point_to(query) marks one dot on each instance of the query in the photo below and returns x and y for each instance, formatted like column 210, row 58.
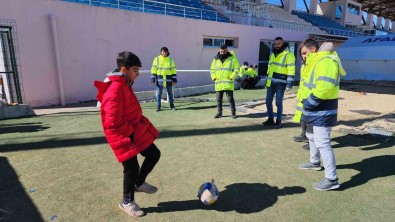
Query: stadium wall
column 90, row 38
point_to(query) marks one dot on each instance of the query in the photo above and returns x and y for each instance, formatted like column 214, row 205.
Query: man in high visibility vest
column 164, row 74
column 243, row 74
column 320, row 103
column 224, row 69
column 281, row 72
column 299, row 108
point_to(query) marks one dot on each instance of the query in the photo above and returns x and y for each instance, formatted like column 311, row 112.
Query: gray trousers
column 320, row 147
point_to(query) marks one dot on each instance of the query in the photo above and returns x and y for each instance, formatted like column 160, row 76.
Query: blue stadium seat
column 195, row 9
column 325, row 24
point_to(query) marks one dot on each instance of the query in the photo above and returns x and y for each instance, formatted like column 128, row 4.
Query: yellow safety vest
column 321, row 78
column 281, row 69
column 243, row 71
column 251, row 72
column 164, row 70
column 299, row 106
column 223, row 74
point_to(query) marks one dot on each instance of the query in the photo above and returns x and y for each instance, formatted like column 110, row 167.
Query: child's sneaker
column 132, row 209
column 146, row 188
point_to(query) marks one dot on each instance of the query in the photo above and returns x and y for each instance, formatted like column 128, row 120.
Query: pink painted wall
column 90, row 38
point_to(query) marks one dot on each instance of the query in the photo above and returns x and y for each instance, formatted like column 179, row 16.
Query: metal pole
column 7, row 69
column 14, row 68
column 57, row 58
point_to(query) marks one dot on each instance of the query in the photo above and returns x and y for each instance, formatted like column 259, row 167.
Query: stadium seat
column 195, row 9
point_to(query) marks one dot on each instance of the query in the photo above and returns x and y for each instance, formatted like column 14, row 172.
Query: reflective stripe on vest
column 276, row 80
column 320, row 113
column 336, row 81
column 224, row 81
column 282, row 64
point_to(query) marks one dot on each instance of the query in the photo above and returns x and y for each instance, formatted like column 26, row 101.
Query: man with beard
column 224, row 69
column 281, row 72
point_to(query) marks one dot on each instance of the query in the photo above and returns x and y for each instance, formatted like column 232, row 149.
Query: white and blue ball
column 208, row 193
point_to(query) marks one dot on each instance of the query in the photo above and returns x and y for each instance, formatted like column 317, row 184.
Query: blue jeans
column 159, row 89
column 279, row 91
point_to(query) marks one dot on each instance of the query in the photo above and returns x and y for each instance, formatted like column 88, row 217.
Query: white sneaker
column 146, row 188
column 132, row 209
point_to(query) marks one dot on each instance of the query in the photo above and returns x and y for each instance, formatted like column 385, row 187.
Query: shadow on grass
column 15, row 204
column 210, row 131
column 369, row 169
column 361, row 141
column 22, row 128
column 244, row 198
column 77, row 113
column 53, row 143
column 62, row 143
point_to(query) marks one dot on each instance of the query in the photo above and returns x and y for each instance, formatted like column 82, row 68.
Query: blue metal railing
column 165, row 8
column 157, row 7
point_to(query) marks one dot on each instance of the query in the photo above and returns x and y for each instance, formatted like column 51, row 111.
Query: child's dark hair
column 127, row 60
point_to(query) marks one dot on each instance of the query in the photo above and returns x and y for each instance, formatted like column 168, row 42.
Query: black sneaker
column 218, row 115
column 306, row 146
column 234, row 115
column 300, row 138
column 278, row 124
column 157, row 109
column 269, row 122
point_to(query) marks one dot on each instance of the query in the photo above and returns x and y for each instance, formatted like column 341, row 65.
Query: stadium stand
column 267, row 15
column 275, row 16
column 195, row 9
column 329, row 26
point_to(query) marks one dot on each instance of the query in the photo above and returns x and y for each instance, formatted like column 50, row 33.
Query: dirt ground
column 362, row 107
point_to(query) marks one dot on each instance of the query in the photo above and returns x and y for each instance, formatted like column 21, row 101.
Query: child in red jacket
column 128, row 132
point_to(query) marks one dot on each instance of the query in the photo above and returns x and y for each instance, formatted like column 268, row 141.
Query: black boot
column 278, row 124
column 269, row 122
column 157, row 108
column 218, row 115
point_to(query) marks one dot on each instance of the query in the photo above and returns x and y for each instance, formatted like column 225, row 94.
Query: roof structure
column 384, row 8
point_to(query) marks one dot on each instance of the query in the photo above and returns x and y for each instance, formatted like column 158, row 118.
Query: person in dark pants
column 298, row 112
column 224, row 70
column 127, row 131
column 281, row 72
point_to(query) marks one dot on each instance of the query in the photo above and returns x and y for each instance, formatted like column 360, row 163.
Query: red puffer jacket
column 122, row 118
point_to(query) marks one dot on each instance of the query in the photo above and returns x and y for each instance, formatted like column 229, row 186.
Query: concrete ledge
column 22, row 110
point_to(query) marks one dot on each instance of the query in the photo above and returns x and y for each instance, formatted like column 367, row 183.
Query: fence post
column 118, row 4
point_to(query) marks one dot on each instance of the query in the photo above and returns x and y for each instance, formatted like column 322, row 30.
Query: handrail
column 249, row 19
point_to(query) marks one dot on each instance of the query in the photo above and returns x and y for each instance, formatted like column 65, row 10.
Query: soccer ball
column 208, row 193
